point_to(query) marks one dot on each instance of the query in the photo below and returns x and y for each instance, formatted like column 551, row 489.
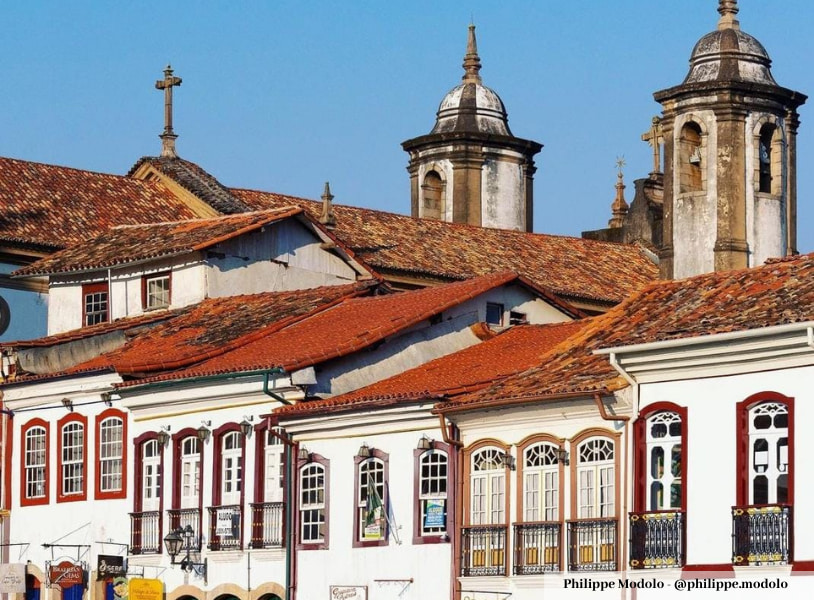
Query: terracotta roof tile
column 470, row 369
column 397, row 244
column 345, row 328
column 777, row 293
column 135, row 243
column 218, row 325
column 52, row 207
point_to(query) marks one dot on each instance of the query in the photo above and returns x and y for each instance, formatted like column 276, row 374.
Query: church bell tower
column 730, row 164
column 470, row 168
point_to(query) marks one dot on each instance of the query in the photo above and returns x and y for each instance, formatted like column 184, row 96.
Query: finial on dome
column 471, row 59
column 728, row 9
column 619, row 207
column 327, row 217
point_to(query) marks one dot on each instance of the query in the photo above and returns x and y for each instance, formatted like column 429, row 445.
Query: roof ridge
column 283, row 209
column 76, row 169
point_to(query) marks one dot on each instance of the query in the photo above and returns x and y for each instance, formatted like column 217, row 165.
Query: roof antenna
column 168, row 137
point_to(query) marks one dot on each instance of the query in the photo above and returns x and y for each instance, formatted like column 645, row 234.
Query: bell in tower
column 729, row 131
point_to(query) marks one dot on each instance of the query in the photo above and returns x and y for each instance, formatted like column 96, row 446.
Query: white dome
column 472, row 107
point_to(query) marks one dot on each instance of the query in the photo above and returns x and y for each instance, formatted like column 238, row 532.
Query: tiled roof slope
column 398, row 244
column 54, row 206
column 197, row 181
column 348, row 327
column 774, row 294
column 218, row 325
column 134, row 243
column 470, row 369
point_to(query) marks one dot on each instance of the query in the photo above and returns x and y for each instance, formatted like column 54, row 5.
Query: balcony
column 268, row 530
column 592, row 545
column 761, row 535
column 537, row 548
column 145, row 532
column 656, row 539
column 483, row 550
column 226, row 527
column 181, row 517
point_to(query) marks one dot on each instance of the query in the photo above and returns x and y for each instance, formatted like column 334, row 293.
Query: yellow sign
column 146, row 589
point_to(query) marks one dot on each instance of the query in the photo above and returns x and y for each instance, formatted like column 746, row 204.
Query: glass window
column 433, row 474
column 663, row 447
column 274, row 469
column 232, row 467
column 190, row 472
column 596, row 479
column 769, row 454
column 157, row 291
column 488, row 487
column 73, row 459
column 370, row 500
column 35, row 458
column 494, row 313
column 95, row 306
column 150, row 476
column 312, row 503
column 111, row 443
column 541, row 475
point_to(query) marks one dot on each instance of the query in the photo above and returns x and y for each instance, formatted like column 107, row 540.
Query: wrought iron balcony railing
column 762, row 535
column 483, row 550
column 537, row 548
column 656, row 539
column 226, row 527
column 268, row 526
column 145, row 532
column 592, row 545
column 181, row 517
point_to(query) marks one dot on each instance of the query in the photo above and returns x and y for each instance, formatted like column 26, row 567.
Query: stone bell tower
column 470, row 168
column 730, row 171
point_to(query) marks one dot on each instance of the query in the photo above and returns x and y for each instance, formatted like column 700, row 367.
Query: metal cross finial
column 620, row 162
column 168, row 137
column 471, row 59
column 728, row 9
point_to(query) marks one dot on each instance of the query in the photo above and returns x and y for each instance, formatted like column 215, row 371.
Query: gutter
column 603, row 412
column 615, row 364
column 267, row 391
column 520, row 400
column 216, row 377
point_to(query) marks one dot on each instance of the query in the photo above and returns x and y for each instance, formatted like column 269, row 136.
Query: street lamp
column 181, row 539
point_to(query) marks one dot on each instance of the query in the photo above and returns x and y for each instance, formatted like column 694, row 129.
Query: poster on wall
column 12, row 578
column 146, row 589
column 434, row 514
column 348, row 592
column 227, row 524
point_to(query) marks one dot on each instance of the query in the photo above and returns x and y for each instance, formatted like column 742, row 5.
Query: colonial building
column 470, row 168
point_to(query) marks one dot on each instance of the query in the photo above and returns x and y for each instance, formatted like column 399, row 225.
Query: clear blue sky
column 284, row 95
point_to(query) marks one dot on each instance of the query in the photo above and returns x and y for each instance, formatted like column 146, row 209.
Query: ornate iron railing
column 226, row 527
column 537, row 548
column 181, row 517
column 592, row 545
column 656, row 539
column 145, row 532
column 268, row 525
column 483, row 550
column 762, row 535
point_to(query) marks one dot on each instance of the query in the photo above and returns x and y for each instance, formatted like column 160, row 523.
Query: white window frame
column 150, row 476
column 190, row 475
column 111, row 453
column 541, row 483
column 768, row 463
column 231, row 460
column 488, row 487
column 159, row 298
column 73, row 459
column 596, row 478
column 36, row 445
column 375, row 467
column 664, row 445
column 312, row 502
column 273, row 462
column 432, row 486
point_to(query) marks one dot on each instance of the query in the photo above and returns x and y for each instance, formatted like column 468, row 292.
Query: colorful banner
column 434, row 514
column 12, row 578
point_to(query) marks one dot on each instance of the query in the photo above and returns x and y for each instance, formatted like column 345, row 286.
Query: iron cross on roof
column 168, row 137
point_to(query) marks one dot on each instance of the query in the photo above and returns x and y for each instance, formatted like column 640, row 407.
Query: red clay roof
column 347, row 327
column 136, row 243
column 470, row 369
column 218, row 325
column 774, row 294
column 400, row 245
column 53, row 207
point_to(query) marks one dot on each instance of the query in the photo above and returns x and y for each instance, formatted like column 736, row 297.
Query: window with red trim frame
column 660, row 439
column 34, row 442
column 313, row 505
column 432, row 498
column 72, row 458
column 370, row 499
column 229, row 456
column 95, row 303
column 111, row 454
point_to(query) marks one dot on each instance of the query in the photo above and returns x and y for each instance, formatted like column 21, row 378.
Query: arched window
column 370, row 516
column 35, row 463
column 145, row 532
column 690, row 159
column 313, row 504
column 596, row 478
column 769, row 453
column 663, row 447
column 273, row 462
column 231, row 476
column 433, row 196
column 541, row 483
column 111, row 457
column 432, row 494
column 488, row 487
column 150, row 476
column 190, row 472
column 769, row 160
column 72, row 458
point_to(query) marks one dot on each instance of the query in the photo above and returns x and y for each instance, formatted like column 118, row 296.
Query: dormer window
column 155, row 291
column 494, row 314
column 95, row 303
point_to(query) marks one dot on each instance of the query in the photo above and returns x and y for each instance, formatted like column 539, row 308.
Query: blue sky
column 285, row 95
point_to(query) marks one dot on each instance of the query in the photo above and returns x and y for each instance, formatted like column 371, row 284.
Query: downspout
column 456, row 511
column 267, row 391
column 290, row 550
column 445, row 433
column 110, row 296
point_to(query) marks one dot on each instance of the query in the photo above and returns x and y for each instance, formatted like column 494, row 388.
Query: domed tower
column 470, row 168
column 730, row 157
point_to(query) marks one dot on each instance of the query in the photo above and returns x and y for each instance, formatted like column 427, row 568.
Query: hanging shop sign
column 66, row 574
column 146, row 589
column 348, row 592
column 110, row 566
column 12, row 578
